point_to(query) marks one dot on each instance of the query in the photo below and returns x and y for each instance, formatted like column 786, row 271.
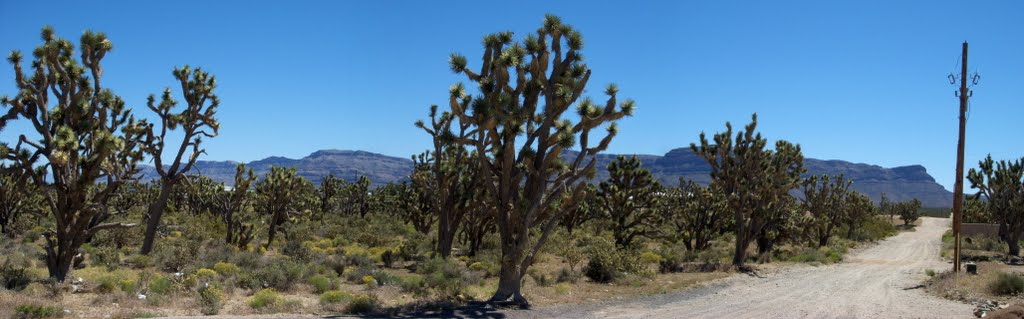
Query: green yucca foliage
column 196, row 121
column 86, row 135
column 282, row 194
column 1001, row 185
column 757, row 181
column 518, row 126
column 825, row 200
column 628, row 200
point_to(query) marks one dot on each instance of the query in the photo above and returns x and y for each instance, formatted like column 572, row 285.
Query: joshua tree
column 909, row 211
column 358, row 197
column 696, row 214
column 858, row 208
column 517, row 126
column 628, row 200
column 196, row 121
column 87, row 142
column 825, row 199
column 416, row 203
column 976, row 211
column 885, row 206
column 18, row 195
column 1001, row 185
column 194, row 193
column 755, row 180
column 478, row 222
column 230, row 205
column 583, row 212
column 330, row 188
column 281, row 195
column 449, row 171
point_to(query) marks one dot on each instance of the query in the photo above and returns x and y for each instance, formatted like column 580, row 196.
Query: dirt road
column 871, row 283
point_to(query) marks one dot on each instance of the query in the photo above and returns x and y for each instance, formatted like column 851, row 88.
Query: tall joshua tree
column 825, row 199
column 628, row 200
column 696, row 214
column 858, row 208
column 18, row 195
column 450, row 172
column 330, row 187
column 87, row 145
column 518, row 127
column 196, row 121
column 281, row 195
column 358, row 197
column 229, row 205
column 1001, row 184
column 756, row 181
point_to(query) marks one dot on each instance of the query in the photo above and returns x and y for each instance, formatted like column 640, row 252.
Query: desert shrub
column 225, row 268
column 35, row 311
column 444, row 277
column 204, row 276
column 13, row 275
column 488, row 269
column 385, row 278
column 282, row 274
column 296, row 249
column 174, row 254
column 246, row 259
column 359, row 260
column 929, row 272
column 140, row 261
column 541, row 279
column 874, row 228
column 416, row 286
column 649, row 257
column 334, row 297
column 210, row 299
column 160, row 285
column 336, row 263
column 363, row 304
column 608, row 263
column 672, row 261
column 264, row 299
column 107, row 284
column 127, row 285
column 107, row 257
column 249, row 280
column 388, row 258
column 321, row 283
column 1007, row 284
column 369, row 282
column 568, row 275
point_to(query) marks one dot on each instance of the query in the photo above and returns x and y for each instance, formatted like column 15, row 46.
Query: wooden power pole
column 958, row 188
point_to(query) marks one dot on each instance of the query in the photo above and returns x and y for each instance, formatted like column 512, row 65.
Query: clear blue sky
column 862, row 81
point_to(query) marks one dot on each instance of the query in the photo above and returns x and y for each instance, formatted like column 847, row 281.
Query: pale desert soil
column 871, row 283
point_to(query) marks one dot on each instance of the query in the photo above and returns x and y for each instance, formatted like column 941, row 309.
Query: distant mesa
column 898, row 183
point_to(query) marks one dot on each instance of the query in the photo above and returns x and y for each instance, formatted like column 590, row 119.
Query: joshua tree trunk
column 156, row 211
column 764, row 249
column 60, row 255
column 270, row 236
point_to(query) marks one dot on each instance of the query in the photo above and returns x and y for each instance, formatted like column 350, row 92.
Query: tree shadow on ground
column 470, row 310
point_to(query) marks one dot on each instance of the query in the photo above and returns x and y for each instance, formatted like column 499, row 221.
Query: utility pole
column 958, row 188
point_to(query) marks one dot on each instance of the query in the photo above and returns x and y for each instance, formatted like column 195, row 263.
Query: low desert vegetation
column 498, row 210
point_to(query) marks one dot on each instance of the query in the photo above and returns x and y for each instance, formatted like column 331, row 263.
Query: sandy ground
column 876, row 282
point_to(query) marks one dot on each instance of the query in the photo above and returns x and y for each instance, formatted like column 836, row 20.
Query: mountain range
column 897, row 183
